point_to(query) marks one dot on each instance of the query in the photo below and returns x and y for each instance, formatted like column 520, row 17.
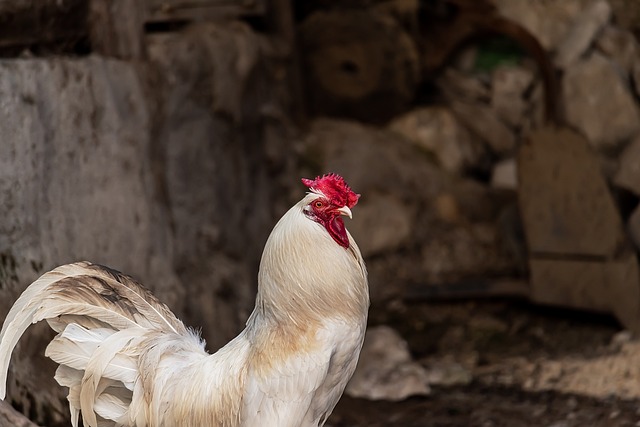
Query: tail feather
column 103, row 320
column 100, row 368
column 112, row 406
column 71, row 378
column 21, row 314
column 78, row 348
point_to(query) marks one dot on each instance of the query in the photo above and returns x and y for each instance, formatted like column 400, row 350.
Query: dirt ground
column 505, row 363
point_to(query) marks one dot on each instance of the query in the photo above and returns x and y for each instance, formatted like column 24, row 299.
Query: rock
column 584, row 28
column 505, row 174
column 355, row 150
column 619, row 339
column 385, row 370
column 633, row 227
column 626, row 14
column 460, row 85
column 437, row 131
column 483, row 121
column 598, row 103
column 610, row 374
column 509, row 84
column 548, row 21
column 620, row 46
column 383, row 224
column 448, row 209
column 628, row 174
column 446, row 372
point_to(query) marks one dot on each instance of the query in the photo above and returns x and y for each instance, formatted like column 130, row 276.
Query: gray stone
column 483, row 121
column 371, row 159
column 448, row 373
column 505, row 174
column 437, row 131
column 598, row 102
column 620, row 46
column 383, row 224
column 628, row 174
column 586, row 25
column 548, row 21
column 509, row 84
column 385, row 370
column 462, row 85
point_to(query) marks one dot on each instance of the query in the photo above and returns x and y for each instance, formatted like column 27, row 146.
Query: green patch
column 497, row 51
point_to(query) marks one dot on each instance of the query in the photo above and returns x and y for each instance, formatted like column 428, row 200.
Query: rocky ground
column 496, row 363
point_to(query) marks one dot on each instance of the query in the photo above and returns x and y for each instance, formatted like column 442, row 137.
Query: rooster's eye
column 318, row 204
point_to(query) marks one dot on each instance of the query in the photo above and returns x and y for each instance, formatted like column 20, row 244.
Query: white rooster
column 129, row 361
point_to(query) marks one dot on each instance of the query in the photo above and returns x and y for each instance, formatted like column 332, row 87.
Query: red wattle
column 337, row 230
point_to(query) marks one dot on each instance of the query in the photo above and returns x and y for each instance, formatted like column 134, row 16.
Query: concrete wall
column 156, row 168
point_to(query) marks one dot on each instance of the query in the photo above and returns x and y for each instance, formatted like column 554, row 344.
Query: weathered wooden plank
column 117, row 28
column 608, row 287
column 194, row 10
column 566, row 206
column 44, row 24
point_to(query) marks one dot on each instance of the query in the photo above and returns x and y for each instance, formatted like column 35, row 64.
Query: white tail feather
column 99, row 367
column 98, row 314
column 21, row 316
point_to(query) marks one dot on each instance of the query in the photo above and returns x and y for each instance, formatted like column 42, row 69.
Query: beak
column 345, row 211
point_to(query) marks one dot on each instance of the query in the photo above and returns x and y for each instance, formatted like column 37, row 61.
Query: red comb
column 334, row 188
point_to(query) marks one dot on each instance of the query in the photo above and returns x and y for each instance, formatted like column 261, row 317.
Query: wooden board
column 579, row 255
column 566, row 206
column 608, row 287
column 198, row 10
column 48, row 24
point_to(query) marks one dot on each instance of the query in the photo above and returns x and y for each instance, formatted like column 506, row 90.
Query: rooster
column 129, row 361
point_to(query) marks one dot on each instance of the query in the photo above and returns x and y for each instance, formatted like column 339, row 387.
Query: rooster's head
column 335, row 199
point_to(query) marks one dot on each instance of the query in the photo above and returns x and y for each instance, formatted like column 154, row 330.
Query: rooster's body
column 128, row 361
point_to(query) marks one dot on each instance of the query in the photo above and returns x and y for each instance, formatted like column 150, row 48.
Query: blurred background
column 496, row 145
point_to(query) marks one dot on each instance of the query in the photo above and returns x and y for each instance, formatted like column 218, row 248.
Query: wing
column 105, row 322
